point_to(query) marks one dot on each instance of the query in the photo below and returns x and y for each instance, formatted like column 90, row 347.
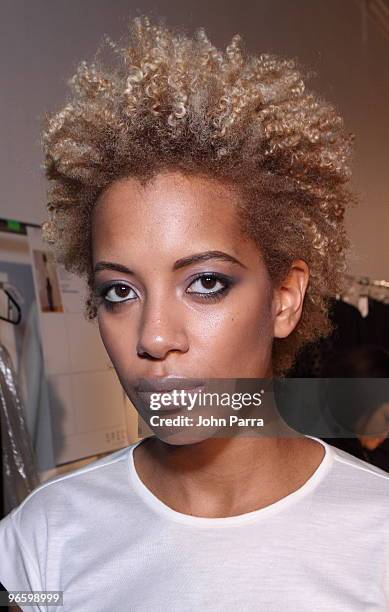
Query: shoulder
column 67, row 487
column 357, row 486
column 62, row 496
column 360, row 470
column 53, row 510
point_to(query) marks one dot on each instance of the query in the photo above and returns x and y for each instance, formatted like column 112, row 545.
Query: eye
column 209, row 285
column 118, row 292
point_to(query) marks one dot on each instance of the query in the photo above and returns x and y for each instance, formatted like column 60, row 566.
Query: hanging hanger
column 363, row 300
column 12, row 307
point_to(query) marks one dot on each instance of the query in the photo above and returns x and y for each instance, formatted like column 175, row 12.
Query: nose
column 161, row 331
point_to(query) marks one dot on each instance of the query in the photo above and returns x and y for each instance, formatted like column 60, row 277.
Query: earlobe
column 289, row 299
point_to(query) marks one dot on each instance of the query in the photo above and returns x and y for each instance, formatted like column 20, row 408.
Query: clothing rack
column 366, row 281
column 358, row 289
column 363, row 287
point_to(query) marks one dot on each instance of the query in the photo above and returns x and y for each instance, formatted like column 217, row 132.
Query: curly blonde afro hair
column 170, row 101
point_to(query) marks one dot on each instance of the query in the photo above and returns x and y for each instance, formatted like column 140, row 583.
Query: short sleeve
column 18, row 571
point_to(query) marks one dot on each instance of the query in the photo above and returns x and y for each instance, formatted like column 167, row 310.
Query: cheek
column 117, row 341
column 237, row 341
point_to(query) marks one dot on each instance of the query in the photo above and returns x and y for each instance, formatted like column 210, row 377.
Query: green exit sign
column 14, row 226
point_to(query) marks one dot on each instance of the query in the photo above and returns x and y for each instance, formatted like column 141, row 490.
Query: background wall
column 42, row 41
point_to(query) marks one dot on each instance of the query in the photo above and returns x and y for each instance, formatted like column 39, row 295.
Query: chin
column 182, row 438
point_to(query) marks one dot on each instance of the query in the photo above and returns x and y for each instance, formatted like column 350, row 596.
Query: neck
column 226, row 476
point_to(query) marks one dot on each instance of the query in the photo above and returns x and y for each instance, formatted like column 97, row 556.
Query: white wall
column 41, row 42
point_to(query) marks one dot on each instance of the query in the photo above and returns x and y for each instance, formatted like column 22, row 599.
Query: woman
column 201, row 193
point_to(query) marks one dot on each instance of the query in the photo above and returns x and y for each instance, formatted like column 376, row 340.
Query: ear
column 288, row 299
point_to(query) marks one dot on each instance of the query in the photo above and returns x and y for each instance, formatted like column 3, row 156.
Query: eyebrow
column 180, row 263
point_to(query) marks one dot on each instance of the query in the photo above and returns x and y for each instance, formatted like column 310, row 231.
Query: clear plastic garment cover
column 20, row 475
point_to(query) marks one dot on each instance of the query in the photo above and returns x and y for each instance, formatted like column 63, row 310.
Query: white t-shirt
column 100, row 536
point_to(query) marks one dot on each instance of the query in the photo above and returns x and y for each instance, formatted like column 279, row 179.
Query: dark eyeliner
column 216, row 295
column 101, row 291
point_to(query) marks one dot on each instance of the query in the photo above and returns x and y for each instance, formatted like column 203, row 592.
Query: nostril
column 146, row 355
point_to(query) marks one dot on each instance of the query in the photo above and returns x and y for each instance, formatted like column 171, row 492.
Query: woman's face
column 184, row 292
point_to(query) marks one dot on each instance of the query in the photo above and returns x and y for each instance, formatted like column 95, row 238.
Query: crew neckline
column 201, row 521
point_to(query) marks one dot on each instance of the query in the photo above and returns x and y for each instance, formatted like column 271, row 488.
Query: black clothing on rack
column 350, row 330
column 378, row 456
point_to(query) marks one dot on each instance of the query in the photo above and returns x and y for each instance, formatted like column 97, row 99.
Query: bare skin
column 164, row 326
column 377, row 422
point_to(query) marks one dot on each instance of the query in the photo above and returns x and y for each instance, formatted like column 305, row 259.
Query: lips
column 167, row 384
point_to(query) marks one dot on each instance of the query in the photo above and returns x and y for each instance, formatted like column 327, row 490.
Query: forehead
column 171, row 212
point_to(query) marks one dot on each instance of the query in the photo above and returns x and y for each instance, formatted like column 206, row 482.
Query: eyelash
column 102, row 292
